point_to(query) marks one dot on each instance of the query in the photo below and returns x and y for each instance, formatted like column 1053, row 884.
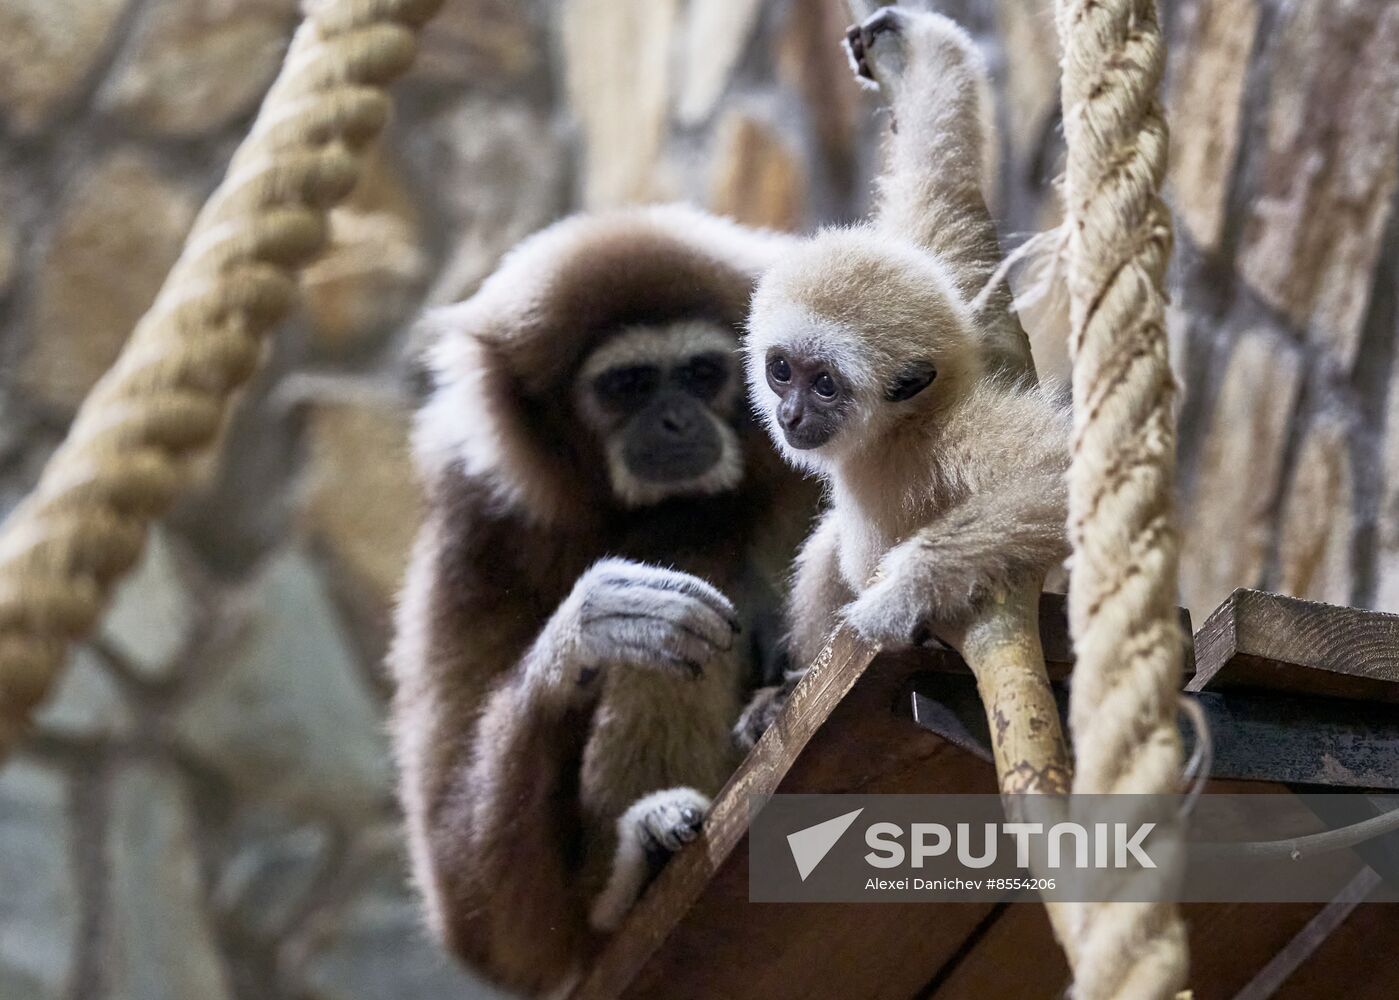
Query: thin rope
column 138, row 434
column 1307, row 846
column 1121, row 479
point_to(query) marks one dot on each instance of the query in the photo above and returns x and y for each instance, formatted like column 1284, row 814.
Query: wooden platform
column 850, row 728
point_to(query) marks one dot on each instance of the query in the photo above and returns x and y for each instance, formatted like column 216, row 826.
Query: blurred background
column 205, row 809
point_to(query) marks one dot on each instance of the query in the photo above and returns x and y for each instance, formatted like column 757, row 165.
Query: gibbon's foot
column 762, row 710
column 629, row 613
column 924, row 639
column 875, row 47
column 671, row 820
column 648, row 835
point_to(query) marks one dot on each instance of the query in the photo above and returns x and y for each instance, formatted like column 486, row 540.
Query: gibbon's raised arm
column 931, row 188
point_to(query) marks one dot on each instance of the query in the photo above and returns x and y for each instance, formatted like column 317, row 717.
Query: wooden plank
column 1253, row 641
column 1304, row 944
column 1058, row 646
column 1257, row 639
column 1016, row 955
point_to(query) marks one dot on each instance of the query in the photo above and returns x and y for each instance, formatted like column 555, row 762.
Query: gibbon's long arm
column 974, row 549
column 488, row 754
column 818, row 594
column 494, row 714
column 930, row 190
column 1003, row 525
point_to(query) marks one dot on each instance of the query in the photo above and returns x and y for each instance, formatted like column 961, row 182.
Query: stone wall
column 205, row 809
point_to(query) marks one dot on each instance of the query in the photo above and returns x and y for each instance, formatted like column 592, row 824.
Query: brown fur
column 511, row 790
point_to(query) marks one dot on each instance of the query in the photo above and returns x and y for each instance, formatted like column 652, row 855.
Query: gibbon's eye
column 779, row 370
column 824, row 385
column 626, row 389
column 702, row 376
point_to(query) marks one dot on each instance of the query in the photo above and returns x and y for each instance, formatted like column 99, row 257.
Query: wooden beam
column 1274, row 655
column 1284, row 644
column 1256, row 735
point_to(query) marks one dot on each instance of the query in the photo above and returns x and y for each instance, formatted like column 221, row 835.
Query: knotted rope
column 1121, row 520
column 131, row 448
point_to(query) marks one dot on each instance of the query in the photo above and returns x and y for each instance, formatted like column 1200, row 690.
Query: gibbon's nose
column 677, row 421
column 790, row 413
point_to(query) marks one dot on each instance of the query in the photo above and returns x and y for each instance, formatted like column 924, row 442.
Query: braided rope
column 1121, row 518
column 134, row 441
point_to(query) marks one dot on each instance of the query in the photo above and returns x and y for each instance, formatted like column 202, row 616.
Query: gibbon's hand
column 895, row 609
column 875, row 48
column 629, row 613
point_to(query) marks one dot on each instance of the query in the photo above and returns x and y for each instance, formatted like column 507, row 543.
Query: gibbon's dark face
column 662, row 401
column 811, row 398
column 814, row 397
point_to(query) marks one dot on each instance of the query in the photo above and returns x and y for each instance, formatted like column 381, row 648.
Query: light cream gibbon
column 944, row 459
column 596, row 586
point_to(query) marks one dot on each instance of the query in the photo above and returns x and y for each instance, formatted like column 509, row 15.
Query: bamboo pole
column 1002, row 647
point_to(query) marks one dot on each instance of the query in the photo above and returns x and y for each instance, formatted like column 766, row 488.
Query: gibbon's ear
column 915, row 377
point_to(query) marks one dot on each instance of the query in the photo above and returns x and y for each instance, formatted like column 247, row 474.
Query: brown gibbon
column 943, row 457
column 596, row 586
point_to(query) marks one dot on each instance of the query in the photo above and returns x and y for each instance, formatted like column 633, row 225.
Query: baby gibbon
column 944, row 465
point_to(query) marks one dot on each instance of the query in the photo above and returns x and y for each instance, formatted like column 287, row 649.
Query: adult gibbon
column 596, row 586
column 945, row 467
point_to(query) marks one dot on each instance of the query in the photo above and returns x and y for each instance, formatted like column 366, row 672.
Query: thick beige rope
column 131, row 448
column 1121, row 480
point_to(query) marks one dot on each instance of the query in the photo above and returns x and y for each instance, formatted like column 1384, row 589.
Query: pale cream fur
column 939, row 500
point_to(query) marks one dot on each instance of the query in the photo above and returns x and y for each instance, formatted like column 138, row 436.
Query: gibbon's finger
column 612, row 582
column 764, row 707
column 693, row 620
column 710, row 595
column 665, row 636
column 662, row 619
column 681, row 609
column 887, row 614
column 674, row 581
column 640, row 641
column 674, row 820
column 626, row 573
column 636, row 654
column 701, row 590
